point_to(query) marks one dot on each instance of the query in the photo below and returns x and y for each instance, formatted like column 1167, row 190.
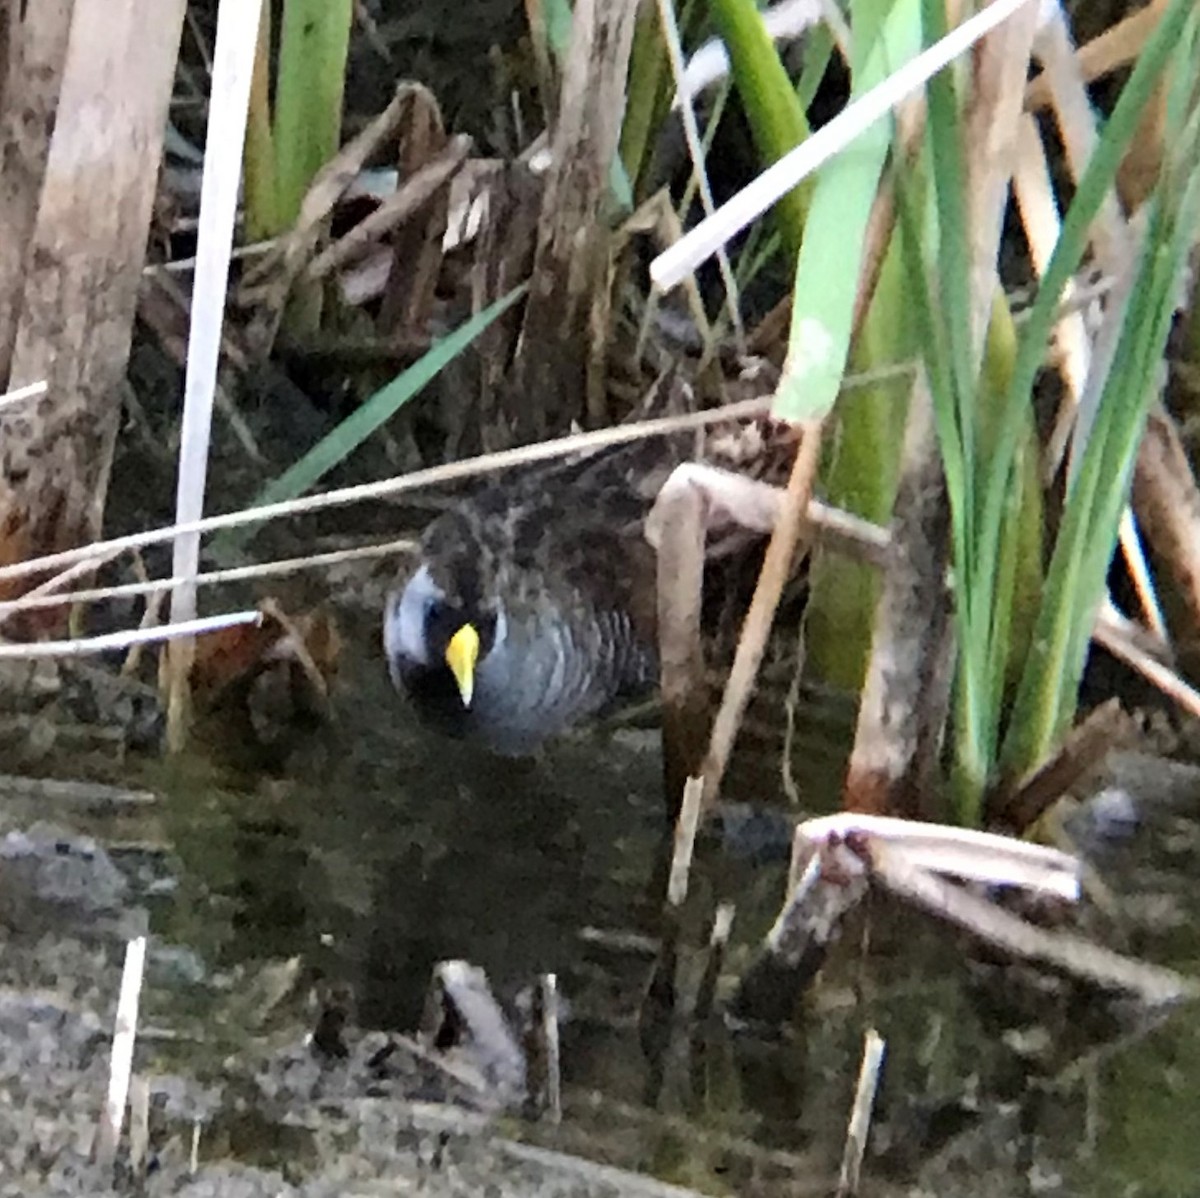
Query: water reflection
column 384, row 849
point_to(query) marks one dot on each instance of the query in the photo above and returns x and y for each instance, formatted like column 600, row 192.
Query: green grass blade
column 773, row 109
column 859, row 475
column 831, row 255
column 921, row 294
column 981, row 580
column 945, row 137
column 646, row 96
column 818, row 49
column 351, row 432
column 313, row 43
column 1048, row 694
column 1018, row 577
column 974, row 723
column 1093, row 187
column 1036, row 710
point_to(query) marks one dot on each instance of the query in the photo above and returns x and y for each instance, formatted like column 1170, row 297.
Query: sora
column 530, row 608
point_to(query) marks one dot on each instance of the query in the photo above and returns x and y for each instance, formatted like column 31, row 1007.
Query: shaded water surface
column 379, row 850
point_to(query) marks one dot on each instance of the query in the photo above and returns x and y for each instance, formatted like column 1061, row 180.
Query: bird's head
column 441, row 625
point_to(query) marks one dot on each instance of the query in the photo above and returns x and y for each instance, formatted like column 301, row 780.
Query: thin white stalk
column 680, row 260
column 550, row 1039
column 124, row 1034
column 860, row 1113
column 451, row 472
column 153, row 586
column 180, row 266
column 233, row 65
column 686, row 825
column 85, row 645
column 691, row 133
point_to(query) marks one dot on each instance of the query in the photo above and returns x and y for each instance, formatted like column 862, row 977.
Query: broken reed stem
column 794, row 949
column 718, row 941
column 139, row 1125
column 548, row 989
column 657, row 1011
column 756, row 629
column 1121, row 645
column 409, row 197
column 460, row 1009
column 966, row 853
column 124, row 1034
column 1152, row 985
column 1102, row 730
column 680, row 593
column 860, row 1113
column 685, row 842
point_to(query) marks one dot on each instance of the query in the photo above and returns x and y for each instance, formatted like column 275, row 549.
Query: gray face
column 419, row 623
column 404, row 620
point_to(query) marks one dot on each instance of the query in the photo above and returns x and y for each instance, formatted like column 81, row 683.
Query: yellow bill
column 461, row 655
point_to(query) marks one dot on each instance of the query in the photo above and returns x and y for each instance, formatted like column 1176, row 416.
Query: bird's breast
column 550, row 672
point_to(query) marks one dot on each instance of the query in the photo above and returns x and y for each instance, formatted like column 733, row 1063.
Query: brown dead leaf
column 229, row 655
column 302, row 650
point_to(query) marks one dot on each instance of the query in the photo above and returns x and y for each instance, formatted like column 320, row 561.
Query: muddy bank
column 264, row 1110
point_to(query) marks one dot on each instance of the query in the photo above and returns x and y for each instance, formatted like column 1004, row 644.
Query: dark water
column 380, row 850
column 384, row 849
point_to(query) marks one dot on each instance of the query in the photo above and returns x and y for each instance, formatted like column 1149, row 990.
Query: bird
column 529, row 608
